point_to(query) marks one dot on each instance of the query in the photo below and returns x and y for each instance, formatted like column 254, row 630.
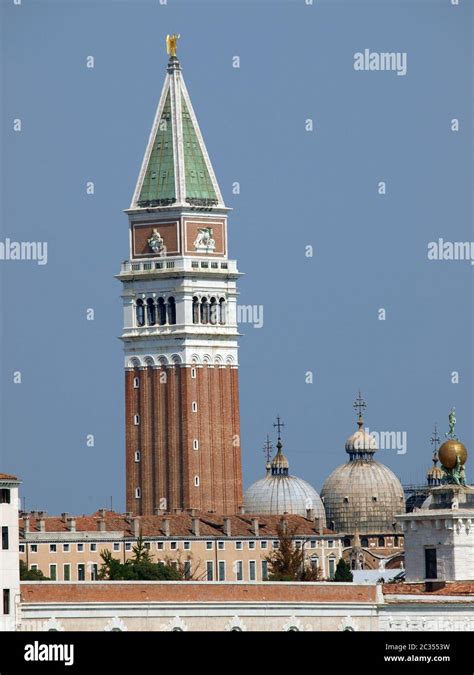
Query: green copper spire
column 176, row 170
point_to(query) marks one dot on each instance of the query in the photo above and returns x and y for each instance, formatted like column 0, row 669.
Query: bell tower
column 180, row 329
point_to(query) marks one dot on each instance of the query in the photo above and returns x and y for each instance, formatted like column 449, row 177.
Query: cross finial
column 267, row 449
column 359, row 405
column 279, row 424
column 435, row 439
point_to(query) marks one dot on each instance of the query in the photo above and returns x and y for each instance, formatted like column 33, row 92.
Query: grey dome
column 283, row 494
column 362, row 495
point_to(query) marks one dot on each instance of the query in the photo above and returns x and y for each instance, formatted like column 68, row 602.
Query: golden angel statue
column 171, row 44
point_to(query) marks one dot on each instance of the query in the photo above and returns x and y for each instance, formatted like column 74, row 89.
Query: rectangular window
column 52, row 548
column 221, row 570
column 81, row 572
column 264, row 544
column 34, row 566
column 94, row 571
column 34, row 548
column 312, row 543
column 195, row 444
column 160, row 545
column 276, row 544
column 431, row 567
column 193, row 373
column 265, row 570
column 238, row 545
column 173, row 545
column 194, row 406
column 187, row 545
column 330, row 543
column 136, row 420
column 93, row 548
column 298, row 544
column 53, row 571
column 6, row 601
column 221, row 545
column 252, row 570
column 22, row 548
column 116, row 546
column 67, row 571
column 210, row 570
column 332, row 567
column 239, row 570
column 251, row 545
column 80, row 548
column 147, row 545
column 4, row 496
column 66, row 548
column 208, row 545
column 128, row 546
column 187, row 569
column 4, row 538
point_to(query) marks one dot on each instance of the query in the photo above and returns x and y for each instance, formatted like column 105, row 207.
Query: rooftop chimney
column 42, row 525
column 310, row 514
column 166, row 527
column 101, row 524
column 102, row 513
column 64, row 516
column 136, row 527
column 158, row 512
column 227, row 528
column 317, row 525
column 195, row 527
column 71, row 524
column 255, row 527
column 26, row 521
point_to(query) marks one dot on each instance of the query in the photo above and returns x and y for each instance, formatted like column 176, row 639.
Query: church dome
column 279, row 492
column 362, row 495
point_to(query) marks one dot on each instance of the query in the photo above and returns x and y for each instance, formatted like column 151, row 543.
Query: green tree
column 138, row 568
column 343, row 571
column 31, row 575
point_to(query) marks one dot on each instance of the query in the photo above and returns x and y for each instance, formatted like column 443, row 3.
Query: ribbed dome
column 283, row 494
column 363, row 495
column 360, row 442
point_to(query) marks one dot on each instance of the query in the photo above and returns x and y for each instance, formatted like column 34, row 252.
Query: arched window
column 347, row 541
column 161, row 312
column 150, row 312
column 171, row 311
column 140, row 308
column 364, row 542
column 381, row 541
column 213, row 311
column 195, row 310
column 222, row 311
column 204, row 311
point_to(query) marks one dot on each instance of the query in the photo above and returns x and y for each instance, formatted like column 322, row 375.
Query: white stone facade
column 9, row 554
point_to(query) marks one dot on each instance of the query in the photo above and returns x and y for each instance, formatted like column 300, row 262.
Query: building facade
column 204, row 546
column 180, row 324
column 9, row 570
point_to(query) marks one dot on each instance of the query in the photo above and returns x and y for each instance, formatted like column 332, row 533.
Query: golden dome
column 450, row 451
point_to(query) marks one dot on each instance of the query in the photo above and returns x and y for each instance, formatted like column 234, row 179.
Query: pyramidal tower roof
column 176, row 169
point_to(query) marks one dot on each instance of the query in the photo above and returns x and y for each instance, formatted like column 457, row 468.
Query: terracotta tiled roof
column 180, row 525
column 449, row 588
column 7, row 476
column 187, row 591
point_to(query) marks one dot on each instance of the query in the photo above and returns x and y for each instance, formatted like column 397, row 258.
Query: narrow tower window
column 204, row 311
column 213, row 312
column 140, row 313
column 195, row 310
column 222, row 311
column 138, row 493
column 136, row 420
column 195, row 444
column 161, row 312
column 137, row 456
column 194, row 406
column 171, row 311
column 193, row 373
column 151, row 312
column 136, row 382
column 196, row 481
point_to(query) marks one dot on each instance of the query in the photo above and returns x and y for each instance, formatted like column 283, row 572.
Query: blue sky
column 298, row 188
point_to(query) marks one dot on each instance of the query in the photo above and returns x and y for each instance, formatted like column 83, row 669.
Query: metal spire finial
column 267, row 449
column 279, row 424
column 435, row 439
column 359, row 405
